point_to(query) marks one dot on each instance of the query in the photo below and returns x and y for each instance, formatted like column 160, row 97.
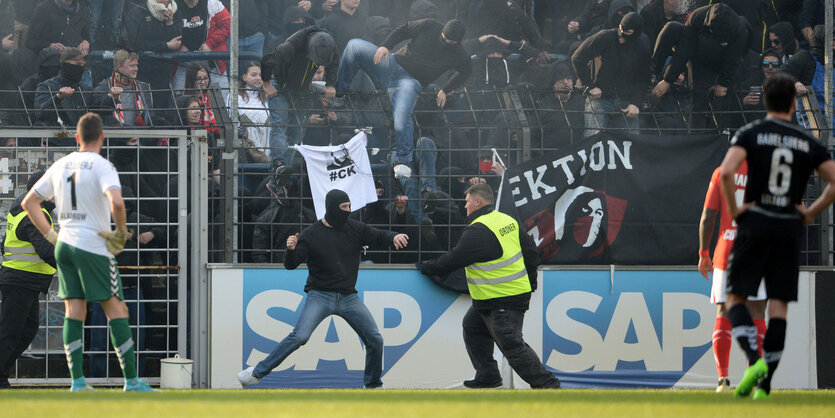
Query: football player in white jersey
column 86, row 190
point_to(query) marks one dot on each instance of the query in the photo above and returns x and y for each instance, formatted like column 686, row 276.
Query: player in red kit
column 727, row 232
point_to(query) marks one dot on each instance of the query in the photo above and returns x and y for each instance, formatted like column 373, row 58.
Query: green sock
column 74, row 346
column 123, row 344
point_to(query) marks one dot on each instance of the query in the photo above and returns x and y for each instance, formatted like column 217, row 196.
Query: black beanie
column 454, row 30
column 33, row 178
column 634, row 22
column 321, row 48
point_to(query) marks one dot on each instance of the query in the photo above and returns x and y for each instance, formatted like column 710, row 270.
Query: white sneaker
column 402, row 171
column 246, row 378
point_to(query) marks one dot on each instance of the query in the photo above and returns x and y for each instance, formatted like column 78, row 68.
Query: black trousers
column 483, row 328
column 18, row 324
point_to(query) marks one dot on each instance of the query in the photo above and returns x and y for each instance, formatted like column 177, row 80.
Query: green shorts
column 84, row 275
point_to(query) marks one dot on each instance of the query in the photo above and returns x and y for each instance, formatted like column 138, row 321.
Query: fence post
column 199, row 177
column 182, row 244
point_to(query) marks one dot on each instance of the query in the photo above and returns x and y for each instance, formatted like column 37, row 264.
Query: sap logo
column 343, row 344
column 630, row 321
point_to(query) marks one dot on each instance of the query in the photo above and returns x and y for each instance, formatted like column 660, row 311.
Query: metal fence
column 153, row 170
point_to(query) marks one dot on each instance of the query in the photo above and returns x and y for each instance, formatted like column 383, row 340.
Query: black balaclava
column 785, row 33
column 321, row 48
column 292, row 13
column 634, row 22
column 71, row 73
column 335, row 216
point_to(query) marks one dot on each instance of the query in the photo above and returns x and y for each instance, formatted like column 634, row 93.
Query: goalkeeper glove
column 115, row 240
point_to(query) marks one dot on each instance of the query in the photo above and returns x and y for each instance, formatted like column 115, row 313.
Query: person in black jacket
column 19, row 312
column 658, row 13
column 287, row 71
column 64, row 96
column 433, row 50
column 154, row 29
column 615, row 89
column 345, row 23
column 797, row 62
column 331, row 247
column 60, row 24
column 496, row 319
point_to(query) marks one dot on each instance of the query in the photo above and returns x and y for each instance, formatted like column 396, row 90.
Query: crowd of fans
column 312, row 71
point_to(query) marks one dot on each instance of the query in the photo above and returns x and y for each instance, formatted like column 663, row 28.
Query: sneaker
column 724, row 385
column 136, row 385
column 402, row 171
column 753, row 375
column 247, row 378
column 760, row 394
column 80, row 385
column 480, row 384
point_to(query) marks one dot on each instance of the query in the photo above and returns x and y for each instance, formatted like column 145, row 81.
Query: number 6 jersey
column 78, row 183
column 781, row 157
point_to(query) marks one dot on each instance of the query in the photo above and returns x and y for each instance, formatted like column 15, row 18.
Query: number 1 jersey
column 781, row 157
column 78, row 183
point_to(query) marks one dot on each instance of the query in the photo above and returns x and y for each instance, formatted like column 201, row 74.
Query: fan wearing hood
column 331, row 248
column 613, row 65
column 288, row 71
column 714, row 39
column 799, row 63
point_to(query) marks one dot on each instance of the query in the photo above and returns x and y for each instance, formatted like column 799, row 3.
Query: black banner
column 617, row 198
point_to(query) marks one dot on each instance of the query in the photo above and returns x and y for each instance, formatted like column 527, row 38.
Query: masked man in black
column 331, row 248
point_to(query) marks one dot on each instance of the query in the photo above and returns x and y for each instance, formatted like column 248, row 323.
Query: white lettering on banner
column 602, row 154
column 348, row 346
column 536, row 185
column 410, row 317
column 603, row 353
column 534, row 233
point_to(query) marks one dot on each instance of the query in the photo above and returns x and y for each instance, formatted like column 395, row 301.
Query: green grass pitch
column 411, row 403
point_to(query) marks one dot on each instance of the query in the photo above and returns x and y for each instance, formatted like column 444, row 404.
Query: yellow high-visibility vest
column 19, row 254
column 506, row 275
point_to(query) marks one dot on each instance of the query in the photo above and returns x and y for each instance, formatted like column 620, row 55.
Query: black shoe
column 479, row 384
column 553, row 385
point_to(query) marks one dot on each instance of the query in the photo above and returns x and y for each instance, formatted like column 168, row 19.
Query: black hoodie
column 427, row 56
column 624, row 68
column 291, row 66
column 799, row 63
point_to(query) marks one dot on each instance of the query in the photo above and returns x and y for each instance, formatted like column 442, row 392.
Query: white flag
column 344, row 167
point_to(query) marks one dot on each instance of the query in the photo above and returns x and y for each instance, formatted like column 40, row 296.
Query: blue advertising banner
column 638, row 329
column 635, row 328
column 404, row 304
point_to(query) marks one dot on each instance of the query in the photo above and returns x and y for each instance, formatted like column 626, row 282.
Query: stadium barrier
column 155, row 274
column 592, row 326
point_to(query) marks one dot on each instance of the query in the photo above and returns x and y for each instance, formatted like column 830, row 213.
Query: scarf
column 208, row 113
column 156, row 9
column 119, row 80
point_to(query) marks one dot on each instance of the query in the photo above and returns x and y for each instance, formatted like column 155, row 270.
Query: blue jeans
column 427, row 155
column 606, row 114
column 252, row 44
column 109, row 13
column 285, row 128
column 402, row 90
column 318, row 306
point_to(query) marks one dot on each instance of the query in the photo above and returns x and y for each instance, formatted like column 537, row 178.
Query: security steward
column 27, row 270
column 500, row 263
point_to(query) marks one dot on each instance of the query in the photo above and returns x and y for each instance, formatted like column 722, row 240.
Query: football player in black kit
column 781, row 157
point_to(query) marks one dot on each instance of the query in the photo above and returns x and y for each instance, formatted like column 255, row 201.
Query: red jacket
column 219, row 22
